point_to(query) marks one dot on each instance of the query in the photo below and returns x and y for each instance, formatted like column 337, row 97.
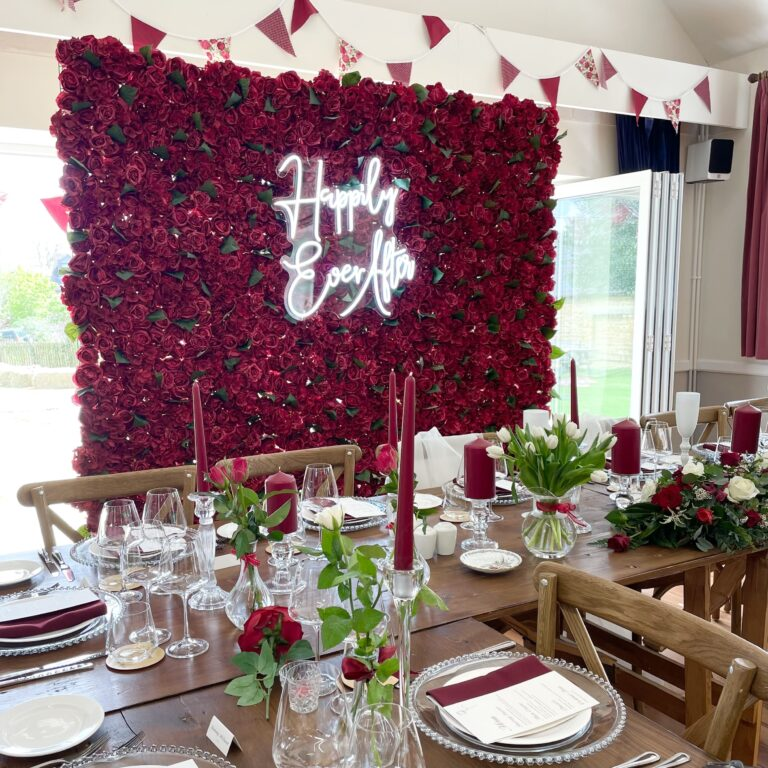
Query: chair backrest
column 341, row 457
column 41, row 495
column 714, row 419
column 761, row 403
column 743, row 664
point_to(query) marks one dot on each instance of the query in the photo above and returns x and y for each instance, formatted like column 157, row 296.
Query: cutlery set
column 646, row 758
column 97, row 745
column 75, row 664
column 56, row 564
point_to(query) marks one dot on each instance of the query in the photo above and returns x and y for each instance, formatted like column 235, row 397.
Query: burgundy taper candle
column 201, row 456
column 404, row 521
column 479, row 470
column 745, row 436
column 392, row 432
column 281, row 481
column 625, row 455
column 574, row 395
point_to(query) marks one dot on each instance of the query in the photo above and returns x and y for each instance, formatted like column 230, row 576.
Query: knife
column 47, row 673
column 47, row 562
column 51, row 665
column 65, row 569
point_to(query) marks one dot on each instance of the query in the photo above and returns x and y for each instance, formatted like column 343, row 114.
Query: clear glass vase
column 549, row 531
column 249, row 593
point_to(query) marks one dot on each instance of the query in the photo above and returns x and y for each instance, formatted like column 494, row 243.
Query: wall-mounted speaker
column 709, row 161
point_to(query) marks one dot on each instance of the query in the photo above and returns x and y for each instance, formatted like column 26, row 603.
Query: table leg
column 698, row 680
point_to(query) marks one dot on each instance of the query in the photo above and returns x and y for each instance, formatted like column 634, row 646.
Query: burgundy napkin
column 50, row 622
column 505, row 677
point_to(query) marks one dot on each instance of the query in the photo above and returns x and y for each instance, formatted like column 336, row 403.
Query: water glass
column 385, row 736
column 131, row 637
column 307, row 597
column 319, row 488
column 164, row 505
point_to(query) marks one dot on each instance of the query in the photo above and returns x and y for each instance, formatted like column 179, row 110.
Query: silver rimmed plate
column 491, row 560
column 152, row 757
column 607, row 720
column 503, row 499
column 351, row 524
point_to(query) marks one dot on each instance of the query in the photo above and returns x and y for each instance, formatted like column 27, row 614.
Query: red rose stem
column 201, row 457
column 479, row 470
column 392, row 436
column 574, row 395
column 745, row 435
column 281, row 481
column 404, row 524
column 625, row 455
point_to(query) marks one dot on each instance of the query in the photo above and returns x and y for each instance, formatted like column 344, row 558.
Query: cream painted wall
column 28, row 87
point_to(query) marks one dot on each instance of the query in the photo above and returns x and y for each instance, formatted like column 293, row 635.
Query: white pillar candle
column 446, row 538
column 425, row 541
column 536, row 417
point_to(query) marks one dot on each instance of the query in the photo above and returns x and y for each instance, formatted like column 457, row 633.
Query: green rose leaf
column 255, row 278
column 402, row 183
column 127, row 93
column 177, row 78
column 161, row 151
column 422, row 94
column 77, row 236
column 146, row 53
column 158, row 314
column 401, row 146
column 313, row 100
column 209, row 188
column 79, row 106
column 92, row 58
column 121, row 358
column 350, row 79
column 229, row 245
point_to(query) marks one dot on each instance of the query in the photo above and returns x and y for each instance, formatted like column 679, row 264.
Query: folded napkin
column 50, row 622
column 435, row 460
column 357, row 509
column 498, row 680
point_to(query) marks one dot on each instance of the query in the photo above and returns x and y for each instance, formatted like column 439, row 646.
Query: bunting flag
column 672, row 110
column 607, row 70
column 702, row 91
column 3, row 197
column 508, row 72
column 144, row 35
column 55, row 208
column 638, row 102
column 550, row 86
column 67, row 5
column 401, row 72
column 586, row 65
column 273, row 26
column 437, row 29
column 217, row 48
column 302, row 10
column 348, row 57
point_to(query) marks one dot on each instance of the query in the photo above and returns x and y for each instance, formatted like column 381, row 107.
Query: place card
column 221, row 736
column 225, row 561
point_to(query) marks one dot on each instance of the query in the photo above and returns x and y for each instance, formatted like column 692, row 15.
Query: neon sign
column 389, row 264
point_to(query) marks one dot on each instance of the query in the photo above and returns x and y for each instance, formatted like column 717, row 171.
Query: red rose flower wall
column 170, row 175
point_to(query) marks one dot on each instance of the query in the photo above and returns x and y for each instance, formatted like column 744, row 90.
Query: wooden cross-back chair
column 713, row 419
column 744, row 666
column 761, row 403
column 341, row 457
column 41, row 495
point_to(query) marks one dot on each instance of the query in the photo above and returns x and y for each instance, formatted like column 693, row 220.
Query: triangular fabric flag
column 67, row 4
column 586, row 65
column 508, row 72
column 273, row 26
column 217, row 48
column 672, row 110
column 401, row 72
column 143, row 34
column 348, row 57
column 702, row 91
column 55, row 208
column 302, row 10
column 607, row 70
column 638, row 102
column 550, row 86
column 437, row 29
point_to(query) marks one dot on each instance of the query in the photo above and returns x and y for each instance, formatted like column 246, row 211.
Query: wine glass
column 656, row 446
column 146, row 558
column 307, row 597
column 385, row 736
column 501, row 475
column 164, row 505
column 313, row 725
column 187, row 575
column 117, row 517
column 319, row 489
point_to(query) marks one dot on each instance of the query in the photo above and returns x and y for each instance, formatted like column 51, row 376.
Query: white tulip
column 693, row 468
column 495, row 451
column 599, row 476
column 649, row 489
column 604, row 436
column 538, row 432
column 530, row 447
column 612, row 442
column 557, row 418
column 331, row 518
column 741, row 489
column 504, row 435
column 551, row 442
column 571, row 429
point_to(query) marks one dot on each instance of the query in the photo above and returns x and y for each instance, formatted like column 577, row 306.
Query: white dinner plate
column 427, row 501
column 48, row 725
column 226, row 531
column 491, row 560
column 16, row 571
column 49, row 635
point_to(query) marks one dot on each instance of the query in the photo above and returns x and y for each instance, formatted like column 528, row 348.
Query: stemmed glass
column 501, row 474
column 687, row 417
column 146, row 558
column 656, row 446
column 164, row 505
column 319, row 489
column 385, row 736
column 117, row 517
column 187, row 575
column 307, row 597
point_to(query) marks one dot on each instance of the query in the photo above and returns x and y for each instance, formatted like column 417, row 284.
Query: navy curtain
column 653, row 145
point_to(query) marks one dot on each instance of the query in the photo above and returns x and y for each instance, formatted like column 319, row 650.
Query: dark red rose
column 619, row 542
column 705, row 516
column 668, row 497
column 354, row 669
column 753, row 518
column 730, row 458
column 272, row 618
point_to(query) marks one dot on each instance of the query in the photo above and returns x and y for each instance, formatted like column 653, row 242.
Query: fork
column 92, row 750
column 134, row 741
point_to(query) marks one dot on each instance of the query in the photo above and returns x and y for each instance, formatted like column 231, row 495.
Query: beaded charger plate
column 152, row 757
column 351, row 524
column 607, row 722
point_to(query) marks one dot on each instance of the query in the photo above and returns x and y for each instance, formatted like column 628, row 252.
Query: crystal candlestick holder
column 211, row 597
column 404, row 586
column 480, row 512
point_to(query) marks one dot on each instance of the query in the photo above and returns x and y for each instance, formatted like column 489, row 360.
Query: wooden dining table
column 174, row 701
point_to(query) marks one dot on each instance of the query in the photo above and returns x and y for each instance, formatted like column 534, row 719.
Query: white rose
column 693, row 468
column 762, row 458
column 649, row 489
column 571, row 429
column 504, row 435
column 538, row 432
column 495, row 451
column 741, row 489
column 551, row 442
column 599, row 476
column 330, row 518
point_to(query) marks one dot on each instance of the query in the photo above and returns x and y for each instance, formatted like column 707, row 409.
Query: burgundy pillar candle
column 574, row 395
column 201, row 457
column 281, row 481
column 479, row 470
column 392, row 431
column 404, row 521
column 745, row 435
column 625, row 455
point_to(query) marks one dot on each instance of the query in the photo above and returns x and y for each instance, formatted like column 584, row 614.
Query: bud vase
column 249, row 593
column 549, row 531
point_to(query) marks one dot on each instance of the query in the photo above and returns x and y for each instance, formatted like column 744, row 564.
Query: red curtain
column 754, row 275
